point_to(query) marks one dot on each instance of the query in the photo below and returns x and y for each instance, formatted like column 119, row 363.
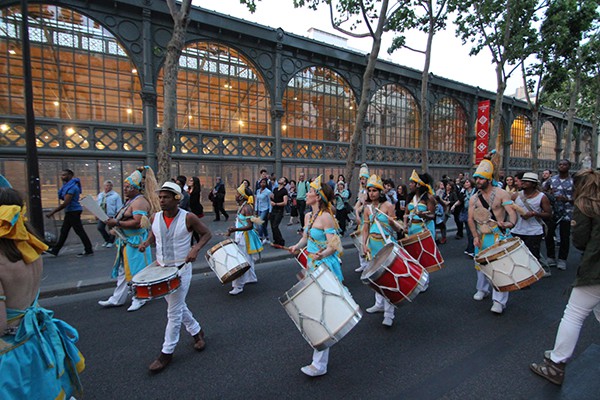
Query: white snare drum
column 155, row 281
column 356, row 237
column 321, row 307
column 509, row 265
column 227, row 260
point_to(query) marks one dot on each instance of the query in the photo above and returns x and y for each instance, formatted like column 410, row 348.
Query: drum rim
column 483, row 260
column 379, row 270
column 343, row 331
column 157, row 267
column 218, row 246
column 417, row 237
column 173, row 278
column 300, row 286
column 232, row 274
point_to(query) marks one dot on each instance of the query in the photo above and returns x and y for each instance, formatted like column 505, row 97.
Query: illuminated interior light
column 351, row 107
column 4, row 127
column 56, row 104
column 190, row 117
column 283, row 127
column 241, row 123
column 295, row 98
column 134, row 71
column 12, row 52
column 70, row 131
column 129, row 111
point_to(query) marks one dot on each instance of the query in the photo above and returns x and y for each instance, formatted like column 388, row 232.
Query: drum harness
column 485, row 205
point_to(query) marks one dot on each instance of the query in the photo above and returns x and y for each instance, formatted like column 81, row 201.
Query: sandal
column 554, row 372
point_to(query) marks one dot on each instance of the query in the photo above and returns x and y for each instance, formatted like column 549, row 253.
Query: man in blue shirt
column 69, row 194
column 111, row 203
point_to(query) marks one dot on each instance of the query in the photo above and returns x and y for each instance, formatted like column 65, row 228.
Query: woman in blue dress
column 421, row 204
column 379, row 228
column 38, row 356
column 323, row 246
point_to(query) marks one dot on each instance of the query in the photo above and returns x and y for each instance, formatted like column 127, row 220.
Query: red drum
column 302, row 258
column 395, row 274
column 423, row 249
column 155, row 281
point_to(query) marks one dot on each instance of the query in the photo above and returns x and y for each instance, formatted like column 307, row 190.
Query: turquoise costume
column 489, row 239
column 39, row 360
column 376, row 244
column 317, row 240
column 253, row 243
column 417, row 224
column 127, row 251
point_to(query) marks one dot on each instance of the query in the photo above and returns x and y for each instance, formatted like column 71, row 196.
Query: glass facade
column 520, row 132
column 448, row 126
column 548, row 142
column 393, row 117
column 319, row 105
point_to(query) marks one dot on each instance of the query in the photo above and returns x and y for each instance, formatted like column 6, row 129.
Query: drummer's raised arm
column 150, row 241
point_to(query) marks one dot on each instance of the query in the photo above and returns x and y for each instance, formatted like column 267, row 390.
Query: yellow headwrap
column 242, row 191
column 12, row 226
column 417, row 179
column 484, row 170
column 375, row 181
column 364, row 171
column 317, row 185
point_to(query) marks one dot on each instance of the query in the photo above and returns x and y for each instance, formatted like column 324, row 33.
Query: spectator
column 341, row 209
column 293, row 206
column 217, row 196
column 263, row 175
column 262, row 207
column 279, row 199
column 332, row 183
column 110, row 202
column 184, row 203
column 301, row 190
column 440, row 219
column 390, row 193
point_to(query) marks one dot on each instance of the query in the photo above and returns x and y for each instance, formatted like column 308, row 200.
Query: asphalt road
column 444, row 345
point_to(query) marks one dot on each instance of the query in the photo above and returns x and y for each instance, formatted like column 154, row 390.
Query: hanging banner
column 483, row 130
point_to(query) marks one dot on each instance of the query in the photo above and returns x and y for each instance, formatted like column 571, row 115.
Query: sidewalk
column 68, row 274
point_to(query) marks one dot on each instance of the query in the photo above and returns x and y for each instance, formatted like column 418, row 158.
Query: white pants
column 388, row 309
column 320, row 359
column 178, row 313
column 250, row 275
column 121, row 292
column 582, row 301
column 484, row 285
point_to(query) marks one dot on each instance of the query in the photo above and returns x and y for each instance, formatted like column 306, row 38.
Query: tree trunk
column 425, row 100
column 171, row 67
column 572, row 111
column 496, row 118
column 595, row 120
column 535, row 137
column 365, row 93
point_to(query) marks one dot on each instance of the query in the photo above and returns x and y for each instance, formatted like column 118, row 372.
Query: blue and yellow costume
column 38, row 356
column 40, row 361
column 253, row 243
column 317, row 240
column 418, row 224
column 376, row 243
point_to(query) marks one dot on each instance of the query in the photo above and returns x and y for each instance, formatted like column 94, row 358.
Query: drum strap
column 485, row 204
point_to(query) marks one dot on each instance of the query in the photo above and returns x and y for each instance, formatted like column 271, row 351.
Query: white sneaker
column 313, row 371
column 108, row 303
column 480, row 295
column 104, row 244
column 497, row 308
column 236, row 290
column 547, row 273
column 359, row 269
column 374, row 309
column 109, row 245
column 551, row 262
column 387, row 321
column 136, row 305
column 562, row 264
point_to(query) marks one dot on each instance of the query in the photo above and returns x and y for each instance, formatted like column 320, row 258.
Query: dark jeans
column 276, row 217
column 459, row 224
column 470, row 247
column 301, row 205
column 342, row 218
column 565, row 239
column 73, row 220
column 218, row 208
column 533, row 243
column 108, row 238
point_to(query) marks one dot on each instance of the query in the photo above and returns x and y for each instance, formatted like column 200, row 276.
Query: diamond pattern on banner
column 483, row 119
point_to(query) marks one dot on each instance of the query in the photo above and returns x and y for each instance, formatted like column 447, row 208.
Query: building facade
column 248, row 97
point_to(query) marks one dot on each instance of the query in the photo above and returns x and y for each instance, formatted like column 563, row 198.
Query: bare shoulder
column 503, row 195
column 140, row 203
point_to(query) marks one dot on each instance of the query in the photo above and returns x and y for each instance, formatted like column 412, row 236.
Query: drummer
column 323, row 247
column 172, row 232
column 358, row 210
column 487, row 214
column 421, row 207
column 378, row 229
column 246, row 236
column 131, row 227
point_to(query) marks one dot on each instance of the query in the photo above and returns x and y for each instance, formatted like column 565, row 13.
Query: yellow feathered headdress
column 375, row 181
column 12, row 226
column 417, row 179
column 488, row 168
column 364, row 171
column 242, row 191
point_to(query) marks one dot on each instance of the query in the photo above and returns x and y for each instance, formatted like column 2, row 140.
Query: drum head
column 498, row 250
column 154, row 273
column 384, row 257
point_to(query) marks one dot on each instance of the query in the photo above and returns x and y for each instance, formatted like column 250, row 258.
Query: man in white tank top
column 171, row 231
column 536, row 207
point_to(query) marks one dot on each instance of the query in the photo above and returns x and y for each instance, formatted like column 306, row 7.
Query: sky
column 450, row 58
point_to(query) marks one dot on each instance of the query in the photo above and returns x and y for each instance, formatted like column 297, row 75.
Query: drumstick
column 278, row 246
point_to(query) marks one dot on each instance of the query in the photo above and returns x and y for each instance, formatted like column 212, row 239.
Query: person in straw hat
column 245, row 236
column 487, row 215
column 131, row 226
column 323, row 246
column 533, row 207
column 378, row 229
column 172, row 229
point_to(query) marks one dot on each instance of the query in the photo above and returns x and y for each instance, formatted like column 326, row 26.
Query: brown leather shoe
column 160, row 363
column 199, row 343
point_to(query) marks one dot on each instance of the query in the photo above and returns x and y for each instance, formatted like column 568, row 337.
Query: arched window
column 448, row 126
column 218, row 91
column 394, row 118
column 79, row 71
column 547, row 141
column 520, row 132
column 319, row 105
